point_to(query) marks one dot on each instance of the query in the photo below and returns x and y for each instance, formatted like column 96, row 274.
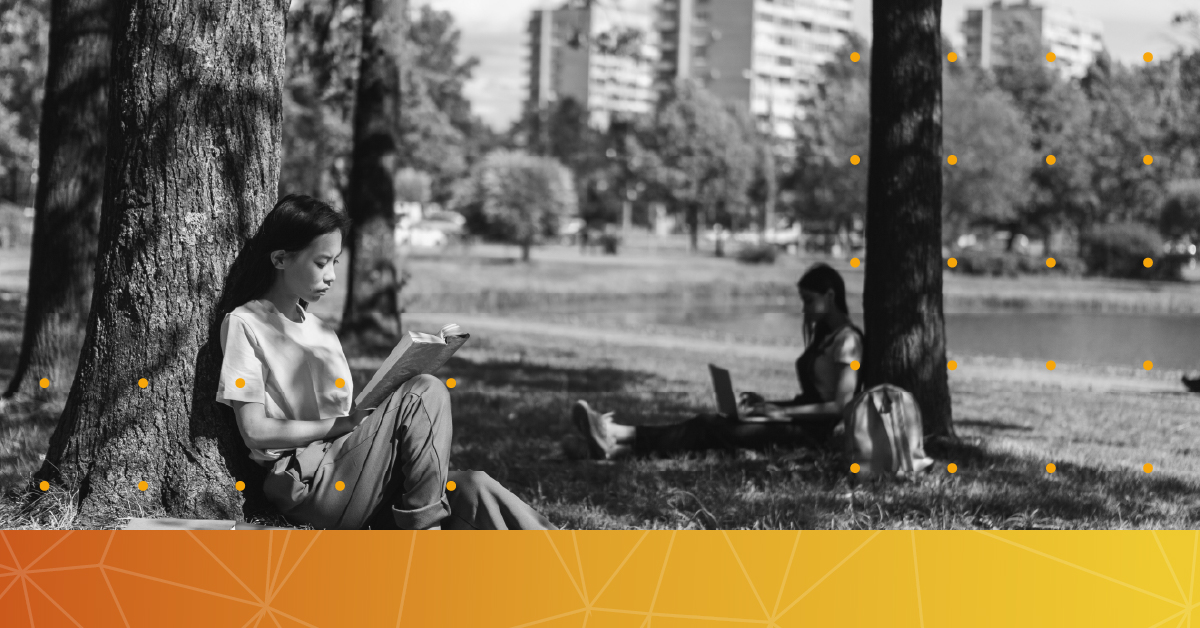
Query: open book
column 416, row 354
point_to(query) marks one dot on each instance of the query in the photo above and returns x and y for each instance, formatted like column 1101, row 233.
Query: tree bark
column 70, row 185
column 902, row 290
column 372, row 311
column 195, row 113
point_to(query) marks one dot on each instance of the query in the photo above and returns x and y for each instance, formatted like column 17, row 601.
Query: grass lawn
column 518, row 376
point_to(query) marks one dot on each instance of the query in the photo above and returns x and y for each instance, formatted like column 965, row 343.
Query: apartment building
column 991, row 32
column 569, row 58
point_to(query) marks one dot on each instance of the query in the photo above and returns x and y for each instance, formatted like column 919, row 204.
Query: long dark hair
column 821, row 278
column 293, row 224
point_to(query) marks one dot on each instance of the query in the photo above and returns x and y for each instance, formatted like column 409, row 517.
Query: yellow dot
column 240, row 383
column 1148, row 57
column 1050, row 57
column 1148, row 159
column 143, row 382
column 1050, row 159
column 1147, row 365
column 1148, row 262
column 1147, row 467
column 1050, row 262
column 45, row 486
column 854, row 56
column 450, row 486
column 1050, row 468
column 952, row 57
column 1050, row 365
column 952, row 365
column 451, row 383
column 854, row 468
column 44, row 383
column 952, row 159
column 143, row 485
column 854, row 159
column 855, row 262
column 339, row 382
column 854, row 365
column 339, row 485
column 952, row 262
column 241, row 486
column 952, row 468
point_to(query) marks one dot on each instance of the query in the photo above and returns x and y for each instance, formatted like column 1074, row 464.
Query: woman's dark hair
column 821, row 278
column 293, row 224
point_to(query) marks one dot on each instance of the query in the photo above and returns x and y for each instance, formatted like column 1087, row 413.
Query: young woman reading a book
column 827, row 381
column 289, row 384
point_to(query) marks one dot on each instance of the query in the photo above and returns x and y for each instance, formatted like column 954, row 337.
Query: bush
column 1118, row 250
column 1010, row 264
column 758, row 253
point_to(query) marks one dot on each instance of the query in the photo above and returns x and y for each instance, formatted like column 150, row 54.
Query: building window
column 786, row 61
column 784, row 40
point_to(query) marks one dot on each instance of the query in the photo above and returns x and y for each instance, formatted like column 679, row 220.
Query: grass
column 515, row 389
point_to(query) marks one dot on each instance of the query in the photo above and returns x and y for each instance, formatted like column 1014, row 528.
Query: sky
column 494, row 31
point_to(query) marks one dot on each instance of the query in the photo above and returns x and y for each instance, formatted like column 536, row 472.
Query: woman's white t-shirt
column 291, row 368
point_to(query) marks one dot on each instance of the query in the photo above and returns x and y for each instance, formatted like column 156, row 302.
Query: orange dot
column 1147, row 365
column 952, row 262
column 45, row 486
column 44, row 383
column 855, row 262
column 1147, row 467
column 952, row 468
column 1050, row 159
column 1147, row 262
column 854, row 56
column 143, row 382
column 952, row 159
column 241, row 486
column 339, row 382
column 854, row 159
column 340, row 485
column 952, row 57
column 1148, row 159
column 240, row 383
column 451, row 383
column 1050, row 57
column 854, row 468
column 450, row 486
column 952, row 365
column 854, row 365
column 1148, row 57
column 143, row 485
column 1050, row 468
column 1050, row 365
column 1050, row 262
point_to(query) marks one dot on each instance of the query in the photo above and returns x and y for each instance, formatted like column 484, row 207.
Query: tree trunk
column 70, row 186
column 372, row 311
column 902, row 290
column 193, row 164
column 525, row 246
column 693, row 220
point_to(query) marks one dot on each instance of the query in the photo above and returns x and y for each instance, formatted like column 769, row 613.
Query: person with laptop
column 828, row 382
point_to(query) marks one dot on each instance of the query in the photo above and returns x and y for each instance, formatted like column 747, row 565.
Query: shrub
column 1118, row 249
column 990, row 263
column 758, row 253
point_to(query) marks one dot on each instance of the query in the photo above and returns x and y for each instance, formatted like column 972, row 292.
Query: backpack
column 884, row 434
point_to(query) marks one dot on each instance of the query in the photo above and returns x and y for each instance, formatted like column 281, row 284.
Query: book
column 415, row 354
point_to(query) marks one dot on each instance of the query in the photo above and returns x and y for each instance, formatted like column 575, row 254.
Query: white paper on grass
column 415, row 354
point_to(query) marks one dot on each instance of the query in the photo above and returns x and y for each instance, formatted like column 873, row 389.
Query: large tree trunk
column 70, row 184
column 193, row 164
column 902, row 290
column 372, row 310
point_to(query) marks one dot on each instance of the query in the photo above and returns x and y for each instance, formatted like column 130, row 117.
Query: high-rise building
column 571, row 56
column 763, row 54
column 992, row 32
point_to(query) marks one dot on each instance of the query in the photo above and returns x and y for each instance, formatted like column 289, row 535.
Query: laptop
column 727, row 401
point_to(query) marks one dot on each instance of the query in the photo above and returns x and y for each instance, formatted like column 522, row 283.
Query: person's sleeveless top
column 815, row 367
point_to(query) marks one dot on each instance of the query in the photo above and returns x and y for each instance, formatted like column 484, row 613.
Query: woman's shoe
column 601, row 442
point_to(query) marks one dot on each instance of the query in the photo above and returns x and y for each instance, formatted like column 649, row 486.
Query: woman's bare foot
column 605, row 439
